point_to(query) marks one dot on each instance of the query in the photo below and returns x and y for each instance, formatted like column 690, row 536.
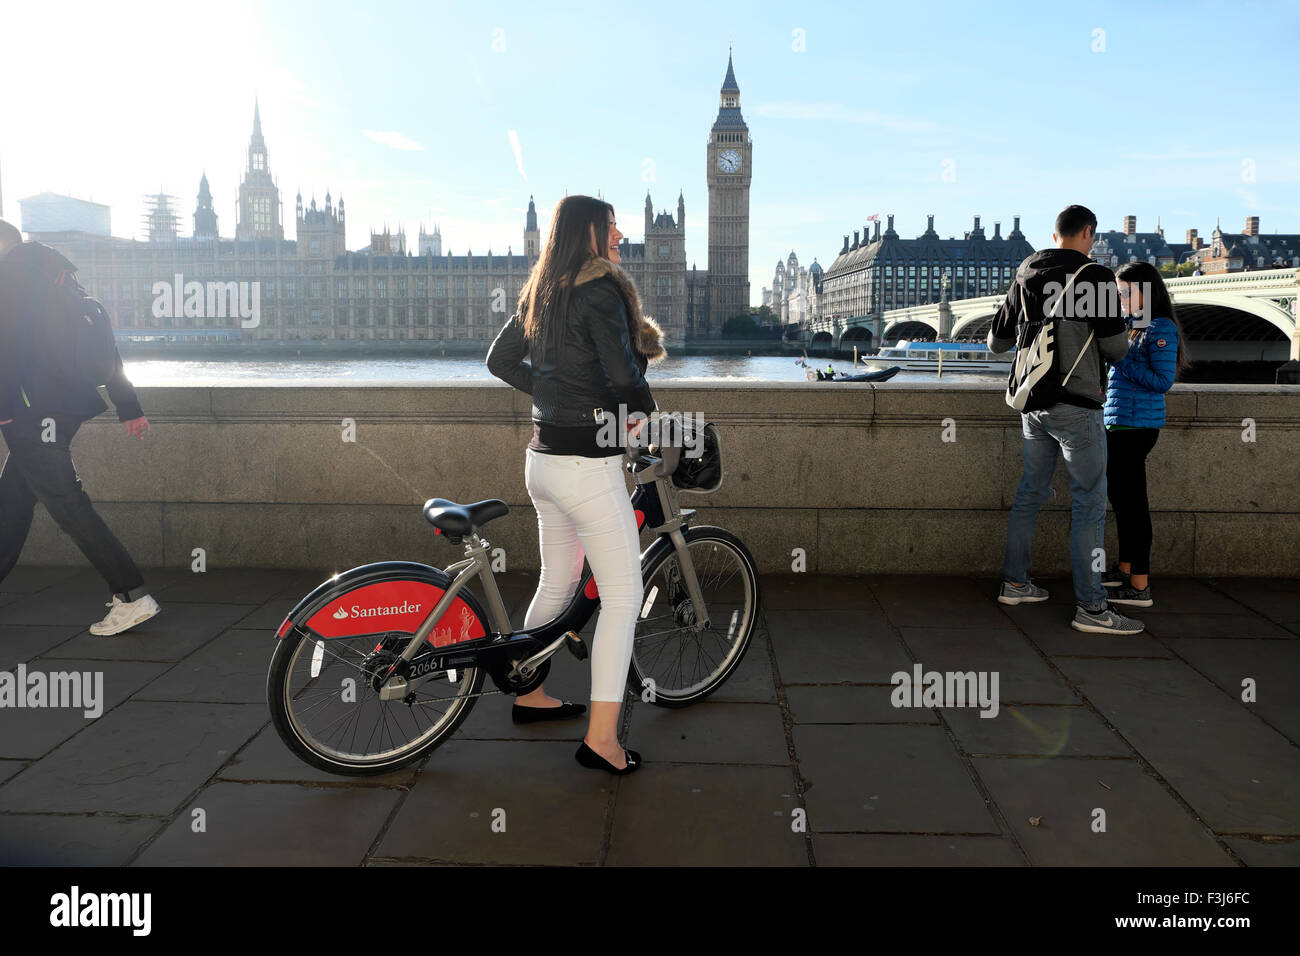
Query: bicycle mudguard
column 385, row 598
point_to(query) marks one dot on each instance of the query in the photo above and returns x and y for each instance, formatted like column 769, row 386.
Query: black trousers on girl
column 1126, row 486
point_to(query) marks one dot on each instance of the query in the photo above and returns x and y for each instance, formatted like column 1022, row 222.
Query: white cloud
column 393, row 139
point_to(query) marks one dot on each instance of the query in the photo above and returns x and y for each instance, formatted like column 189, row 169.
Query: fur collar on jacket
column 647, row 336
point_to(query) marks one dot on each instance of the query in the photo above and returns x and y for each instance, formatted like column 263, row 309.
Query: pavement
column 1103, row 750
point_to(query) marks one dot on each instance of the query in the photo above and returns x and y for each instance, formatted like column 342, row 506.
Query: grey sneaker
column 1105, row 621
column 1127, row 594
column 1114, row 578
column 1027, row 593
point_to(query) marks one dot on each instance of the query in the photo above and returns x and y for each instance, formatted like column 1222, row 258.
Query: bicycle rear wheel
column 323, row 683
column 327, row 712
column 675, row 662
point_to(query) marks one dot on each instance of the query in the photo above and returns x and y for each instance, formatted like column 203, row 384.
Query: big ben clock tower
column 729, row 153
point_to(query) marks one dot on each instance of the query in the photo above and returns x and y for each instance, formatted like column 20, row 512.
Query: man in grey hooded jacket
column 1065, row 376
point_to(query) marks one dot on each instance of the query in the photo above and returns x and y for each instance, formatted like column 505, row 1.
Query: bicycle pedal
column 577, row 646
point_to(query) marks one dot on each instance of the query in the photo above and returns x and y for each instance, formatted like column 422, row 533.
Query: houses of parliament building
column 311, row 288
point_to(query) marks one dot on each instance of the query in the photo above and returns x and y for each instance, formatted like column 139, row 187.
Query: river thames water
column 693, row 369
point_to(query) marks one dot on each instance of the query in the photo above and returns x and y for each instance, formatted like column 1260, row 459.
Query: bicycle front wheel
column 676, row 662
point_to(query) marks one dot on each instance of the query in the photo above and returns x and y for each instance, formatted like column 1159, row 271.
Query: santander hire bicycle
column 379, row 665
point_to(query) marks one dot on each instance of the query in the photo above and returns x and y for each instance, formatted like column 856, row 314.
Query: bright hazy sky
column 1186, row 111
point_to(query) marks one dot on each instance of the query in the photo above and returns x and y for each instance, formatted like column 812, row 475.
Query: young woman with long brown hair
column 579, row 320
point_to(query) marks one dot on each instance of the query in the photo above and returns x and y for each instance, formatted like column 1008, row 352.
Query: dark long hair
column 1156, row 302
column 544, row 298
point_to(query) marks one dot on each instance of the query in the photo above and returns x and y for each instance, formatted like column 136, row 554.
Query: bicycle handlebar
column 663, row 464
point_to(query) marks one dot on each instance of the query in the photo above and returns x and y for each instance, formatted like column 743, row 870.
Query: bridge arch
column 859, row 335
column 821, row 340
column 914, row 330
column 974, row 327
column 1231, row 333
column 1258, row 306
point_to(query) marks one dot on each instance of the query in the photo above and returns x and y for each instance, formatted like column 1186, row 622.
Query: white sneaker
column 125, row 615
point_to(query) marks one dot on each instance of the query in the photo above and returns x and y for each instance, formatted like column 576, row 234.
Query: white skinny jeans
column 583, row 507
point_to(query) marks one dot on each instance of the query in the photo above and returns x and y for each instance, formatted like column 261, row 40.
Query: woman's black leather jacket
column 594, row 370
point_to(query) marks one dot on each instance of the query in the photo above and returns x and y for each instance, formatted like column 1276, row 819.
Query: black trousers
column 42, row 471
column 1126, row 486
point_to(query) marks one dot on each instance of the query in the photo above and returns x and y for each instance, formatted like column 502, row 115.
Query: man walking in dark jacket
column 1063, row 376
column 40, row 413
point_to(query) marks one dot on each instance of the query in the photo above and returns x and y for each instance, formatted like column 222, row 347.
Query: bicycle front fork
column 687, row 568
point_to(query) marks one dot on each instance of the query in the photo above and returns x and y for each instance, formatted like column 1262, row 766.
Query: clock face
column 729, row 161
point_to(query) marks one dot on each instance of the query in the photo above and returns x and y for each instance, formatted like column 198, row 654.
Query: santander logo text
column 406, row 607
column 395, row 606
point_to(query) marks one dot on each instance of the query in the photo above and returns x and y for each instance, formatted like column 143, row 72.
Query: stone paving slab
column 274, row 825
column 911, row 602
column 231, row 668
column 709, row 732
column 851, row 704
column 706, row 815
column 890, row 779
column 63, row 840
column 837, row 645
column 1029, row 730
column 237, row 585
column 26, row 578
column 173, row 633
column 34, row 732
column 270, row 614
column 817, row 592
column 1239, row 774
column 141, row 758
column 554, row 808
column 10, row 767
column 1274, row 666
column 881, row 849
column 1273, row 853
column 1277, row 599
column 1188, row 596
column 1144, row 825
column 266, row 758
column 20, row 643
column 1023, row 676
column 1178, row 626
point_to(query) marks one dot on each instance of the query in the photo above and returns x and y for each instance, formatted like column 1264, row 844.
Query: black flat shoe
column 594, row 761
column 530, row 715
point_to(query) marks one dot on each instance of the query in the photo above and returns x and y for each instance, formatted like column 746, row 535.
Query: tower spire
column 729, row 84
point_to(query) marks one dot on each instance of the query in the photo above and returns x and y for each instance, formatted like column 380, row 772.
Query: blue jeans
column 1079, row 435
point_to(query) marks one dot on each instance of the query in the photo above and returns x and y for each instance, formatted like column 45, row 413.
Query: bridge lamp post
column 945, row 310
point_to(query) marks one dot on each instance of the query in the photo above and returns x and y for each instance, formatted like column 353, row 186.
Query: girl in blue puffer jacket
column 1134, row 415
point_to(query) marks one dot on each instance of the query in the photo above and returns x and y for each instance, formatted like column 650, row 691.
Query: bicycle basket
column 700, row 473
